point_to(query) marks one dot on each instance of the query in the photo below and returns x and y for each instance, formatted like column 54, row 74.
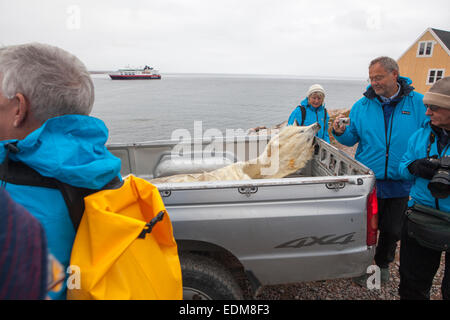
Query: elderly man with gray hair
column 46, row 95
column 381, row 123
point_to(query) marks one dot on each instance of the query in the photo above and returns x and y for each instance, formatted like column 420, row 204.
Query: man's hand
column 424, row 168
column 338, row 126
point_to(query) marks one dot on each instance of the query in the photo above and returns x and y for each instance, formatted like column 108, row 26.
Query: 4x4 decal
column 322, row 241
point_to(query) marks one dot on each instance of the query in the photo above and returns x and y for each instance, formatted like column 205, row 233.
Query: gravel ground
column 346, row 289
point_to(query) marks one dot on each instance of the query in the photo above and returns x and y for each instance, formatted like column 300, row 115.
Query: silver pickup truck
column 317, row 224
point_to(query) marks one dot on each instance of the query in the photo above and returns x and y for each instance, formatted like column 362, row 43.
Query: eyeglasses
column 432, row 107
column 376, row 78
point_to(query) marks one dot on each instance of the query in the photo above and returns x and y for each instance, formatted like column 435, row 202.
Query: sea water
column 148, row 110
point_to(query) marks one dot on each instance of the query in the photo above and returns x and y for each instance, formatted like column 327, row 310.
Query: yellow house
column 427, row 59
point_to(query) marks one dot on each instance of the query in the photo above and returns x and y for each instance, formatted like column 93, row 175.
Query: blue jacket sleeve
column 408, row 158
column 350, row 136
column 294, row 115
column 421, row 109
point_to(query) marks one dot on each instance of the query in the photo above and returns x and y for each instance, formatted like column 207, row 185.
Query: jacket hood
column 405, row 88
column 70, row 148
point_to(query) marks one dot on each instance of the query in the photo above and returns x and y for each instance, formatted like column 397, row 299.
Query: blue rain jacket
column 381, row 147
column 70, row 148
column 313, row 115
column 417, row 149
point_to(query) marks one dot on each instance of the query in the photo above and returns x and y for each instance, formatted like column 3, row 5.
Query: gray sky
column 285, row 37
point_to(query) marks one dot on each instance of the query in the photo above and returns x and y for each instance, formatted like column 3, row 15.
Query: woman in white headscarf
column 311, row 110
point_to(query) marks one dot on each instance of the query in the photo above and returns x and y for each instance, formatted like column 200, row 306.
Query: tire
column 206, row 279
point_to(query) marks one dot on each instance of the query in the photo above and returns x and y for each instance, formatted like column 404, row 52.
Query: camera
column 345, row 121
column 439, row 185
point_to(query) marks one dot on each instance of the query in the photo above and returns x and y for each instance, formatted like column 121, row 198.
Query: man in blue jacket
column 381, row 123
column 46, row 95
column 418, row 263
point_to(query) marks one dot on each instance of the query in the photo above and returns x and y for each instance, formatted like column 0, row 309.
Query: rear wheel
column 206, row 279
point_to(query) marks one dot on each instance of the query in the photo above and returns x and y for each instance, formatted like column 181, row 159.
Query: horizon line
column 293, row 76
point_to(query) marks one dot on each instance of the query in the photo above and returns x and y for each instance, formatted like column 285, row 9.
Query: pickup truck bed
column 312, row 225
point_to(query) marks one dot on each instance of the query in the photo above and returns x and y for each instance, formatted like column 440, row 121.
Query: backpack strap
column 324, row 121
column 74, row 197
column 303, row 114
column 303, row 110
column 21, row 174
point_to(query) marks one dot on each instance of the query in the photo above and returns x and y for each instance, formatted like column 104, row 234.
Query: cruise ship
column 135, row 74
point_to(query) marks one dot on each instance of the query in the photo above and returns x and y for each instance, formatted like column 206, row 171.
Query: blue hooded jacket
column 313, row 115
column 417, row 149
column 381, row 147
column 70, row 148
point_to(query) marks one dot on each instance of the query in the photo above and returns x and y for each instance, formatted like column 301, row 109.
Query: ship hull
column 135, row 77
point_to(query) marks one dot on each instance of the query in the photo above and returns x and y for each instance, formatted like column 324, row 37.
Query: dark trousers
column 391, row 218
column 418, row 266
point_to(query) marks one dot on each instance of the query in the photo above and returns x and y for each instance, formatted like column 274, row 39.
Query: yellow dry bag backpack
column 124, row 246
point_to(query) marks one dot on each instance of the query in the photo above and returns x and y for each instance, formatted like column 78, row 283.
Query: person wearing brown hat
column 427, row 231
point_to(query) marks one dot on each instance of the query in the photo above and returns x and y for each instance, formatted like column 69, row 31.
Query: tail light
column 372, row 218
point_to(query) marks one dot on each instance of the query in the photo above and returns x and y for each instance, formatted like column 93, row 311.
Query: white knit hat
column 315, row 88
